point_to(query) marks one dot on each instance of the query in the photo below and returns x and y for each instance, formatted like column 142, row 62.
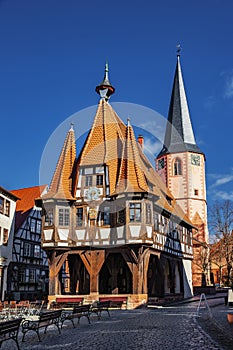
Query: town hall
column 116, row 226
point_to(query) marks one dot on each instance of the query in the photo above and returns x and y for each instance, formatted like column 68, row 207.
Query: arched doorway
column 177, row 279
column 115, row 276
column 152, row 276
column 167, row 278
column 79, row 277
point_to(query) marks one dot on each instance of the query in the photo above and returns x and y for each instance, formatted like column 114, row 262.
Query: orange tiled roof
column 61, row 184
column 105, row 142
column 131, row 176
column 27, row 198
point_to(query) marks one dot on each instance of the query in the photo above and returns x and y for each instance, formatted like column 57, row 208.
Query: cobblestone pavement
column 163, row 328
column 216, row 324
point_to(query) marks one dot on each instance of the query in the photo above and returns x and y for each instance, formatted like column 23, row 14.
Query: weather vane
column 178, row 49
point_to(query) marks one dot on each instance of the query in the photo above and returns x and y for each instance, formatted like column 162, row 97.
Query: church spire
column 105, row 89
column 179, row 136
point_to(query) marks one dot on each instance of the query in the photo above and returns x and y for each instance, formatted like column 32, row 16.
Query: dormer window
column 177, row 167
column 99, row 180
column 88, row 181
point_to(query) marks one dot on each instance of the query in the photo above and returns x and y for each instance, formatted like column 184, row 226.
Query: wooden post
column 93, row 261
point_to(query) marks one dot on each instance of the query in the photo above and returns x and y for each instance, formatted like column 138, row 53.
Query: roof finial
column 178, row 50
column 128, row 121
column 106, row 71
column 105, row 89
column 71, row 126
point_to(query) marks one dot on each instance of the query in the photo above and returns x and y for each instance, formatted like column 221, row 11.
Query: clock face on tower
column 93, row 193
column 195, row 159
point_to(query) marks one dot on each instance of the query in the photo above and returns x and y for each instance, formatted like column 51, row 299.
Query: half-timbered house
column 28, row 271
column 7, row 223
column 110, row 225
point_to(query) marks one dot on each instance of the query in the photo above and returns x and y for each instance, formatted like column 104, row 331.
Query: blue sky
column 53, row 54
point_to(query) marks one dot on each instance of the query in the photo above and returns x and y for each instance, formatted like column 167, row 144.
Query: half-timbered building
column 7, row 223
column 110, row 224
column 28, row 271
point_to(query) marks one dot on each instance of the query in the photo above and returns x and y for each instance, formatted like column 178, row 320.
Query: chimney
column 141, row 141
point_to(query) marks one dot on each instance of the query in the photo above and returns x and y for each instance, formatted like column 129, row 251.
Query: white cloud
column 224, row 195
column 228, row 93
column 152, row 147
column 221, row 180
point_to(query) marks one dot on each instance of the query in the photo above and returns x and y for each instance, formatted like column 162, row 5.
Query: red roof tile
column 26, row 202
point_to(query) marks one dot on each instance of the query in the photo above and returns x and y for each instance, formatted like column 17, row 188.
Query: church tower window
column 177, row 167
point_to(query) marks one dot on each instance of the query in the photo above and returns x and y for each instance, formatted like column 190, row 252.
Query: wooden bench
column 9, row 330
column 116, row 302
column 77, row 312
column 99, row 306
column 44, row 320
column 67, row 302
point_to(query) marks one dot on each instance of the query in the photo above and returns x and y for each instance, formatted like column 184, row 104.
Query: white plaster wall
column 187, row 278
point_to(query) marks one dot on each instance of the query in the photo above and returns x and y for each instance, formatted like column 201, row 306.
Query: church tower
column 181, row 164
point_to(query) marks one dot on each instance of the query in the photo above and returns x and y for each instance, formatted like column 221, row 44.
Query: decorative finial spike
column 105, row 89
column 128, row 121
column 178, row 50
column 71, row 126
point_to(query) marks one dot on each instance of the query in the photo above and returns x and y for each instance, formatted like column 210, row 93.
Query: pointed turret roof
column 131, row 176
column 61, row 184
column 179, row 136
column 104, row 141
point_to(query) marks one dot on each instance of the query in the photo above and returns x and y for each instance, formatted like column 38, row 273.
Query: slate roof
column 26, row 202
column 179, row 136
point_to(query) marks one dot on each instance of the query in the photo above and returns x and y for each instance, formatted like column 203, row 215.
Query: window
column 49, row 217
column 64, row 217
column 79, row 217
column 105, row 216
column 37, row 251
column 148, row 213
column 121, row 217
column 195, row 192
column 189, row 239
column 99, row 180
column 27, row 249
column 4, row 206
column 5, row 236
column 33, row 225
column 7, row 208
column 21, row 275
column 177, row 167
column 1, row 205
column 32, row 276
column 88, row 181
column 135, row 212
column 38, row 226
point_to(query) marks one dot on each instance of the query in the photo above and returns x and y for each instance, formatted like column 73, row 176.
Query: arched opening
column 177, row 167
column 115, row 276
column 79, row 277
column 167, row 278
column 177, row 279
column 152, row 276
